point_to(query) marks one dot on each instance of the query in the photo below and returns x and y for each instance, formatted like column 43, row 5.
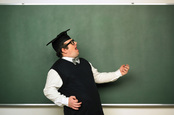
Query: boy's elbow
column 45, row 92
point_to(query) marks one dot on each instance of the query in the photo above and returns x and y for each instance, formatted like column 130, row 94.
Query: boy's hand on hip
column 73, row 103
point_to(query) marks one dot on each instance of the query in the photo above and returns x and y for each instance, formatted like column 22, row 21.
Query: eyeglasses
column 71, row 42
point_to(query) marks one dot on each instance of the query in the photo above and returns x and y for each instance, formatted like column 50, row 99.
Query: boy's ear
column 64, row 50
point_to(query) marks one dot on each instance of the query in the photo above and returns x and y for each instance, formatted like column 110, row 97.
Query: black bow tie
column 76, row 60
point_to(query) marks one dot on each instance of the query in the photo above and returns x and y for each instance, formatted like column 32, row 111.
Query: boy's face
column 72, row 50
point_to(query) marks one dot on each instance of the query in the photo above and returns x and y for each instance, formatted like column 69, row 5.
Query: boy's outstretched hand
column 124, row 69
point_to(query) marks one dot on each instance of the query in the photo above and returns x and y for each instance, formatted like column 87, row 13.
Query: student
column 71, row 81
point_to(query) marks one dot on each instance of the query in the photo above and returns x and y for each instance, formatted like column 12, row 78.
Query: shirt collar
column 69, row 59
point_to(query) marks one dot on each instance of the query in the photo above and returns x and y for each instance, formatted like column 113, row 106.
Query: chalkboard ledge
column 104, row 105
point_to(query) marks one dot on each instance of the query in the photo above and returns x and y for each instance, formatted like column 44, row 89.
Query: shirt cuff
column 118, row 73
column 64, row 101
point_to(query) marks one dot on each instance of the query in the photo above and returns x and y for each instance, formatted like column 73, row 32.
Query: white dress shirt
column 54, row 82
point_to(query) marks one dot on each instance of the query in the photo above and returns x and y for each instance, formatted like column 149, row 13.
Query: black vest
column 78, row 81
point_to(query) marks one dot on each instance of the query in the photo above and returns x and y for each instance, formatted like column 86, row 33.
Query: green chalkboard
column 107, row 36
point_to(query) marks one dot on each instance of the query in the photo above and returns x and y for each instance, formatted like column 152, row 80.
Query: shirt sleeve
column 105, row 77
column 53, row 83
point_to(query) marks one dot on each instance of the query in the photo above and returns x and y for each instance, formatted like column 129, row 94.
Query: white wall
column 107, row 110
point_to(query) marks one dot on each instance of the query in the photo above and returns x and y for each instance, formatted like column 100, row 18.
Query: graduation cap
column 59, row 40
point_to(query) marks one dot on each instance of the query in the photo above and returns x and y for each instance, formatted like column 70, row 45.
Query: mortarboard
column 61, row 38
